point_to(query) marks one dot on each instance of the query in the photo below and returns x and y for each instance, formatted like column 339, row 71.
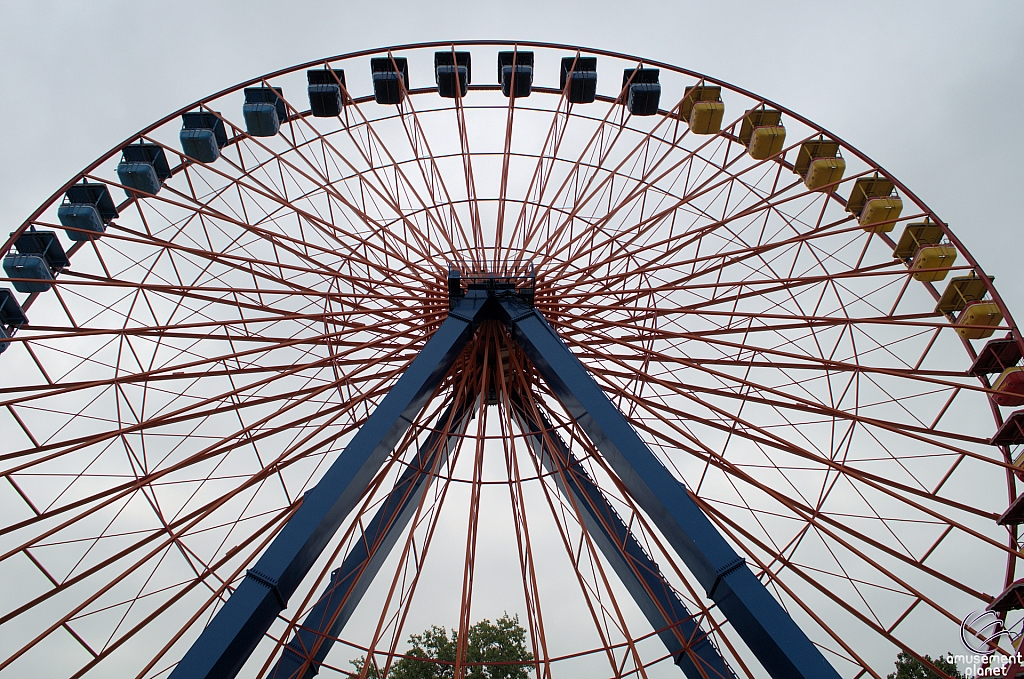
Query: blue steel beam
column 226, row 643
column 766, row 628
column 689, row 644
column 323, row 624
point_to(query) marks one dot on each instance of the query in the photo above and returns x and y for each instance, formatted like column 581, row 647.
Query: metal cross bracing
column 198, row 368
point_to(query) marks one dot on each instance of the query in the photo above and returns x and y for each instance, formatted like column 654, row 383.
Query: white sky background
column 934, row 92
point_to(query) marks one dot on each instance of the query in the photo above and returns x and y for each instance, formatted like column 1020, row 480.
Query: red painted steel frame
column 197, row 367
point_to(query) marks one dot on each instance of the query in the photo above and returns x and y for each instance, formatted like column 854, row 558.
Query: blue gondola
column 202, row 135
column 581, row 75
column 39, row 256
column 11, row 313
column 644, row 90
column 390, row 79
column 325, row 95
column 86, row 211
column 28, row 266
column 46, row 245
column 81, row 220
column 263, row 111
column 143, row 167
column 11, row 316
column 452, row 72
column 515, row 77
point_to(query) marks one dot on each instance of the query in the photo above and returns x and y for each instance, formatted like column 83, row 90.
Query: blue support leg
column 773, row 637
column 767, row 629
column 689, row 644
column 229, row 639
column 303, row 655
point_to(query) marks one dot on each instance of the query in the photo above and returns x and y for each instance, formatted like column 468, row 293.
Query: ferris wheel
column 431, row 333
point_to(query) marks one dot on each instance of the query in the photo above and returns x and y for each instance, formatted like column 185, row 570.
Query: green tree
column 503, row 641
column 909, row 667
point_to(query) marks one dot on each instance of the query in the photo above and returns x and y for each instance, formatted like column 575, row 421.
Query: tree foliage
column 909, row 667
column 503, row 641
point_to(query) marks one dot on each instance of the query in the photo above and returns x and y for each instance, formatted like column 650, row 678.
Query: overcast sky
column 932, row 91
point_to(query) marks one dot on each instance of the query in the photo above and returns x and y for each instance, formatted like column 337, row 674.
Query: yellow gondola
column 762, row 133
column 880, row 213
column 874, row 203
column 960, row 291
column 979, row 313
column 702, row 108
column 824, row 172
column 915, row 236
column 937, row 258
column 818, row 162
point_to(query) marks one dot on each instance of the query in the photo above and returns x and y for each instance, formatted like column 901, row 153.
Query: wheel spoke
column 203, row 362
